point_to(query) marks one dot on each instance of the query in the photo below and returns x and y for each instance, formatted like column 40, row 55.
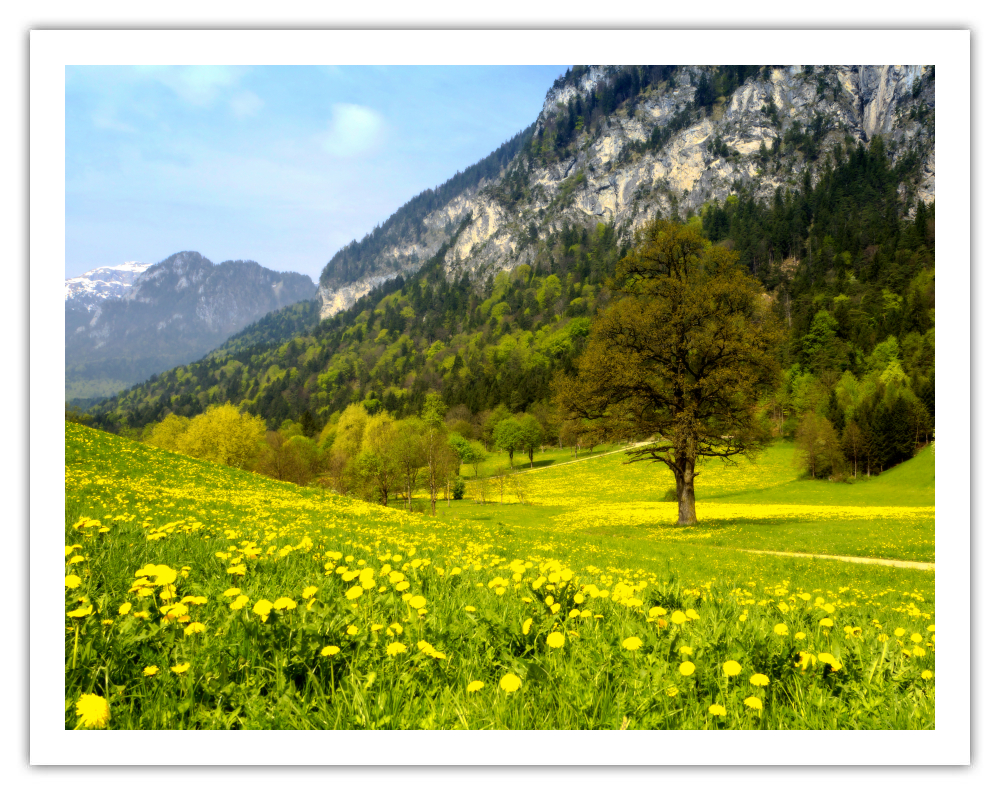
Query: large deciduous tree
column 683, row 356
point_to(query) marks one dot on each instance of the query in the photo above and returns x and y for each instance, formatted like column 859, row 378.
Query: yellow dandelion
column 263, row 608
column 417, row 602
column 631, row 644
column 179, row 669
column 509, row 683
column 829, row 659
column 395, row 648
column 474, row 686
column 677, row 617
column 718, row 710
column 124, row 609
column 239, row 601
column 310, row 592
column 781, row 629
column 72, row 581
column 927, row 675
column 754, row 703
column 284, row 603
column 151, row 670
column 232, row 592
column 93, row 711
column 687, row 668
column 556, row 640
column 526, row 627
column 731, row 668
column 329, row 651
column 193, row 628
column 355, row 592
column 760, row 680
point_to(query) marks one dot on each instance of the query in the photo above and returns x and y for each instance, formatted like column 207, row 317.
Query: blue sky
column 283, row 165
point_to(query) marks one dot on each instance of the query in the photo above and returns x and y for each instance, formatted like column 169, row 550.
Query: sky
column 282, row 165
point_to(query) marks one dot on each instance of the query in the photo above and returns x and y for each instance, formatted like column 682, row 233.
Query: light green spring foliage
column 199, row 596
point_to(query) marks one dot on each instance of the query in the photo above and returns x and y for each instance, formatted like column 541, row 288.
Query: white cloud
column 198, row 85
column 354, row 130
column 246, row 104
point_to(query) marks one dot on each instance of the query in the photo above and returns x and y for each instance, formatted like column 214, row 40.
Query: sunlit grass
column 419, row 609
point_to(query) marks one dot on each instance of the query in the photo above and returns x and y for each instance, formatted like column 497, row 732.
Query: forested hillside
column 850, row 276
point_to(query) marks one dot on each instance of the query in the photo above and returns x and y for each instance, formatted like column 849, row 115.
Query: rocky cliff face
column 174, row 312
column 774, row 127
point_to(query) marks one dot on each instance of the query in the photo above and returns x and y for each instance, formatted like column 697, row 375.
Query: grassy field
column 203, row 597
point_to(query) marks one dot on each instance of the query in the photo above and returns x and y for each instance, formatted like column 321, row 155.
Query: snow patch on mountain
column 111, row 281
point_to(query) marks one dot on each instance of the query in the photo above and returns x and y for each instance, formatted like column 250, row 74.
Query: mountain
column 172, row 313
column 483, row 289
column 97, row 285
column 621, row 145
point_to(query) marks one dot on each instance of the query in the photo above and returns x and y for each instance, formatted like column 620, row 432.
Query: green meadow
column 199, row 596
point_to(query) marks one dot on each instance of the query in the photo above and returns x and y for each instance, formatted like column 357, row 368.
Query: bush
column 458, row 489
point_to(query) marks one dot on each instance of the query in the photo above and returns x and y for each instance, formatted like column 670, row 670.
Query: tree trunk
column 685, row 499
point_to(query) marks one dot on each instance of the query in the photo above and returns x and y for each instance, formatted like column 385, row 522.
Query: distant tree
column 224, row 436
column 407, row 449
column 378, row 463
column 531, row 436
column 509, row 436
column 166, row 434
column 438, row 459
column 818, row 446
column 351, row 430
column 434, row 409
column 852, row 443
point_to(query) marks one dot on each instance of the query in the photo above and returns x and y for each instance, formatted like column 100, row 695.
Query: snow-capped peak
column 99, row 284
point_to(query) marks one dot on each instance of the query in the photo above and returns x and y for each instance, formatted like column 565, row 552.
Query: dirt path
column 901, row 564
column 580, row 460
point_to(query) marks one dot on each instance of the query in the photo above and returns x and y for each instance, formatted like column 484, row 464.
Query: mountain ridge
column 668, row 148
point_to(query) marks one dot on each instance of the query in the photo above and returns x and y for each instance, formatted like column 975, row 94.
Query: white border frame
column 52, row 51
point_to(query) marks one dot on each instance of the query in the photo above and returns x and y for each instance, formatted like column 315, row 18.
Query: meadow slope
column 199, row 596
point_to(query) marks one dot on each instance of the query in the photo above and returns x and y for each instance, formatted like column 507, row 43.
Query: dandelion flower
column 753, row 702
column 915, row 637
column 395, row 648
column 781, row 629
column 718, row 710
column 825, row 622
column 329, row 651
column 899, row 632
column 72, row 581
column 352, row 630
column 760, row 680
column 687, row 668
column 800, row 636
column 677, row 617
column 692, row 615
column 474, row 686
column 731, row 668
column 263, row 608
column 556, row 640
column 927, row 675
column 232, row 592
column 151, row 670
column 828, row 658
column 417, row 602
column 526, row 627
column 81, row 612
column 93, row 711
column 193, row 628
column 509, row 683
column 631, row 644
column 310, row 592
column 355, row 592
column 239, row 601
column 179, row 669
column 686, row 650
column 124, row 609
column 284, row 603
